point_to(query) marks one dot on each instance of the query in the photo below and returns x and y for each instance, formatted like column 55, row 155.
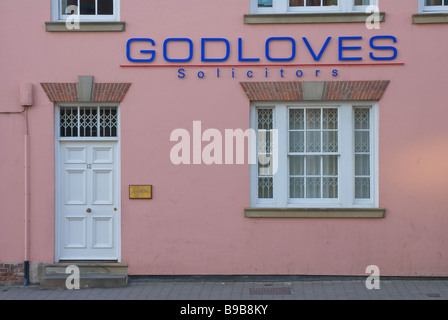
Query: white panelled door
column 88, row 201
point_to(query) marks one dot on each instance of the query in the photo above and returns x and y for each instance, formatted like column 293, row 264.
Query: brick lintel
column 101, row 92
column 372, row 90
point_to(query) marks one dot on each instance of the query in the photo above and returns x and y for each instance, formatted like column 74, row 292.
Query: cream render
column 200, row 219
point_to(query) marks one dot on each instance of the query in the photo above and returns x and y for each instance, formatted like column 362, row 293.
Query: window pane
column 68, row 122
column 296, row 138
column 87, row 7
column 362, row 118
column 362, row 141
column 66, row 4
column 330, row 118
column 313, row 119
column 296, row 119
column 313, row 141
column 330, row 141
column 297, row 187
column 362, row 188
column 330, row 179
column 296, row 3
column 297, row 165
column 265, row 188
column 264, row 3
column 296, row 141
column 329, row 2
column 433, row 2
column 362, row 2
column 108, row 122
column 88, row 122
column 362, row 165
column 264, row 165
column 313, row 165
column 313, row 3
column 313, row 188
column 330, row 165
column 330, row 187
column 265, row 119
column 106, row 7
column 264, row 141
column 297, row 184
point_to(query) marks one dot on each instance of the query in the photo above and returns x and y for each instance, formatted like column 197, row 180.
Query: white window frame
column 422, row 8
column 282, row 6
column 346, row 172
column 56, row 13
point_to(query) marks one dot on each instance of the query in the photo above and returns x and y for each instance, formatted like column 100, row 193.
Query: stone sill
column 314, row 213
column 113, row 26
column 427, row 18
column 350, row 17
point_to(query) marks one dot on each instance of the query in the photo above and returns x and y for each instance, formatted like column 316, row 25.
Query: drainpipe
column 26, row 100
column 26, row 264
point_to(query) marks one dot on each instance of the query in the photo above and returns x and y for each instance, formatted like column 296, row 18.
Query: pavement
column 245, row 289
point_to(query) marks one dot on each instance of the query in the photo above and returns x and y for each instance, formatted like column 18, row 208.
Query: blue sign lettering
column 319, row 56
column 293, row 49
column 165, row 46
column 240, row 53
column 149, row 55
column 393, row 49
column 342, row 48
column 152, row 52
column 204, row 40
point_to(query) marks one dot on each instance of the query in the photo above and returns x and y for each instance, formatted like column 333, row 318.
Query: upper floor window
column 433, row 5
column 88, row 10
column 309, row 6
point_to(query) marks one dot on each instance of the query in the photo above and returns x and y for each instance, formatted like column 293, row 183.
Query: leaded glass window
column 313, row 153
column 265, row 165
column 362, row 153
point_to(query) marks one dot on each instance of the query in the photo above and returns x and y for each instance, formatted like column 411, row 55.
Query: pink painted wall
column 195, row 223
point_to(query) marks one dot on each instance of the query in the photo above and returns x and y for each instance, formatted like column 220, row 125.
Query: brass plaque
column 140, row 192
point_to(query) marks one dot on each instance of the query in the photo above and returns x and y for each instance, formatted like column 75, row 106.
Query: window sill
column 350, row 17
column 113, row 26
column 314, row 213
column 427, row 18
